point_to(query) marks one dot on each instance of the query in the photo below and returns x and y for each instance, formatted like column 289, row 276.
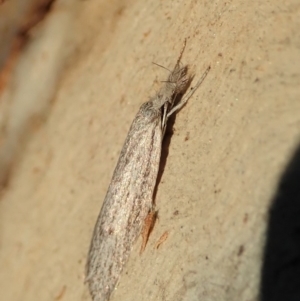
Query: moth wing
column 126, row 205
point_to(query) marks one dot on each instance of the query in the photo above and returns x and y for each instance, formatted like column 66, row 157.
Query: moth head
column 179, row 78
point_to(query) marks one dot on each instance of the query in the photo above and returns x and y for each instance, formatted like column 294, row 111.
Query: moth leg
column 164, row 119
column 190, row 94
column 148, row 227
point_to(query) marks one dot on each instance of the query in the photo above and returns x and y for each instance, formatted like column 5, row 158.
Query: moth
column 129, row 199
